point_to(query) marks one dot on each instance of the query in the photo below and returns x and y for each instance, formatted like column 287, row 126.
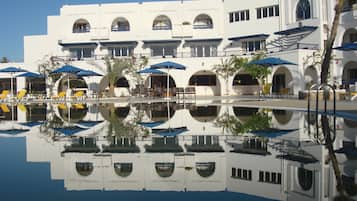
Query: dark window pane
column 259, row 13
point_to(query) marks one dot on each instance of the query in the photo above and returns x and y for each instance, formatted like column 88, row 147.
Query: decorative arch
column 74, row 82
column 282, row 81
column 162, row 22
column 283, row 117
column 81, row 26
column 305, row 178
column 84, row 169
column 122, row 82
column 303, row 10
column 206, row 169
column 203, row 21
column 205, row 113
column 349, row 75
column 75, row 113
column 245, row 84
column 120, row 24
column 244, row 113
column 165, row 170
column 310, row 76
column 206, row 83
column 123, row 169
column 350, row 36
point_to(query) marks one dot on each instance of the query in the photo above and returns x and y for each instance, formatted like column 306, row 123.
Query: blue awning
column 296, row 30
column 31, row 75
column 114, row 43
column 204, row 40
column 70, row 44
column 161, row 41
column 12, row 70
column 170, row 132
column 272, row 132
column 347, row 47
column 67, row 69
column 150, row 124
column 255, row 36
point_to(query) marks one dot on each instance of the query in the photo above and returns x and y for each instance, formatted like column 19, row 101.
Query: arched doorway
column 283, row 117
column 282, row 81
column 165, row 170
column 349, row 75
column 121, row 86
column 206, row 83
column 205, row 113
column 350, row 36
column 158, row 85
column 245, row 84
column 75, row 84
column 310, row 76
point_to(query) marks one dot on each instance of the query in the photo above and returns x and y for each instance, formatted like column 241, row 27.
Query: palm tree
column 227, row 68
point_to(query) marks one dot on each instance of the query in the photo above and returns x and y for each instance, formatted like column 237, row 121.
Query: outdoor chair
column 4, row 95
column 79, row 95
column 21, row 94
column 4, row 108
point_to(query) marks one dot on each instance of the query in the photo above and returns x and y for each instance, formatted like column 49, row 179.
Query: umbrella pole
column 12, row 87
column 168, row 83
column 68, row 83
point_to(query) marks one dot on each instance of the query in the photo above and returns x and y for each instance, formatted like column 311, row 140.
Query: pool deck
column 247, row 101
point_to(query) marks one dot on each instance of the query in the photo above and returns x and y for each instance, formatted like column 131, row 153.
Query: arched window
column 121, row 24
column 123, row 169
column 162, row 22
column 303, row 10
column 206, row 169
column 165, row 169
column 84, row 169
column 81, row 26
column 203, row 21
column 122, row 82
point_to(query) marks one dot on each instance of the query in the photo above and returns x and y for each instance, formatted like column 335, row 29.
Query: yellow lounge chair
column 4, row 108
column 78, row 95
column 21, row 94
column 78, row 106
column 22, row 107
column 62, row 106
column 4, row 94
column 60, row 95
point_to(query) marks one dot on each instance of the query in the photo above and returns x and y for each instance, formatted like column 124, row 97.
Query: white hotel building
column 198, row 34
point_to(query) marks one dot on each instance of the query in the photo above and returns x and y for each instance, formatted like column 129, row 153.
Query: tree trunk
column 111, row 90
column 325, row 67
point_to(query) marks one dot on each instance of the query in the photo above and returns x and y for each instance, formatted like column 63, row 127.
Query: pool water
column 171, row 151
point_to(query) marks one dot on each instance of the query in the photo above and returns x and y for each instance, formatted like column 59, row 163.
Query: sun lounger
column 4, row 95
column 21, row 94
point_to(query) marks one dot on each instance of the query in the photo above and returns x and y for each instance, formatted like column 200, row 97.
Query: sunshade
column 70, row 130
column 170, row 132
column 271, row 61
column 87, row 73
column 12, row 70
column 272, row 132
column 151, row 124
column 150, row 71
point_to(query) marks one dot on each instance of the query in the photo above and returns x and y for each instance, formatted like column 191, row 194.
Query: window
column 269, row 177
column 204, row 50
column 237, row 16
column 121, row 24
column 303, row 10
column 244, row 174
column 81, row 53
column 252, row 46
column 123, row 51
column 203, row 21
column 203, row 80
column 162, row 22
column 81, row 26
column 269, row 11
column 163, row 51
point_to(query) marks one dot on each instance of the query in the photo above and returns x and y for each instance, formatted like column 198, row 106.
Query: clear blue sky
column 19, row 18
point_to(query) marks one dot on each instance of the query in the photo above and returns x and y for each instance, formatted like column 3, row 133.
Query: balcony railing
column 187, row 54
column 203, row 26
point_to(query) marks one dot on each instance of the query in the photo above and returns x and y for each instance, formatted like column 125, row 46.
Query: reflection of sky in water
column 160, row 147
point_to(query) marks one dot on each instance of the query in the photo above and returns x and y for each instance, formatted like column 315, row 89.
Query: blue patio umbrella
column 170, row 132
column 87, row 73
column 347, row 47
column 13, row 131
column 89, row 123
column 32, row 76
column 271, row 61
column 168, row 65
column 69, row 69
column 150, row 71
column 68, row 131
column 272, row 132
column 150, row 124
column 31, row 123
column 12, row 71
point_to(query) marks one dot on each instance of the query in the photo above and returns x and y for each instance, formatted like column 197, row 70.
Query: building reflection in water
column 173, row 147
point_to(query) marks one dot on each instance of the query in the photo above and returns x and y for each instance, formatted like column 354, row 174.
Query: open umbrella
column 68, row 131
column 87, row 73
column 68, row 69
column 12, row 71
column 168, row 65
column 31, row 76
column 272, row 132
column 271, row 61
column 150, row 124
